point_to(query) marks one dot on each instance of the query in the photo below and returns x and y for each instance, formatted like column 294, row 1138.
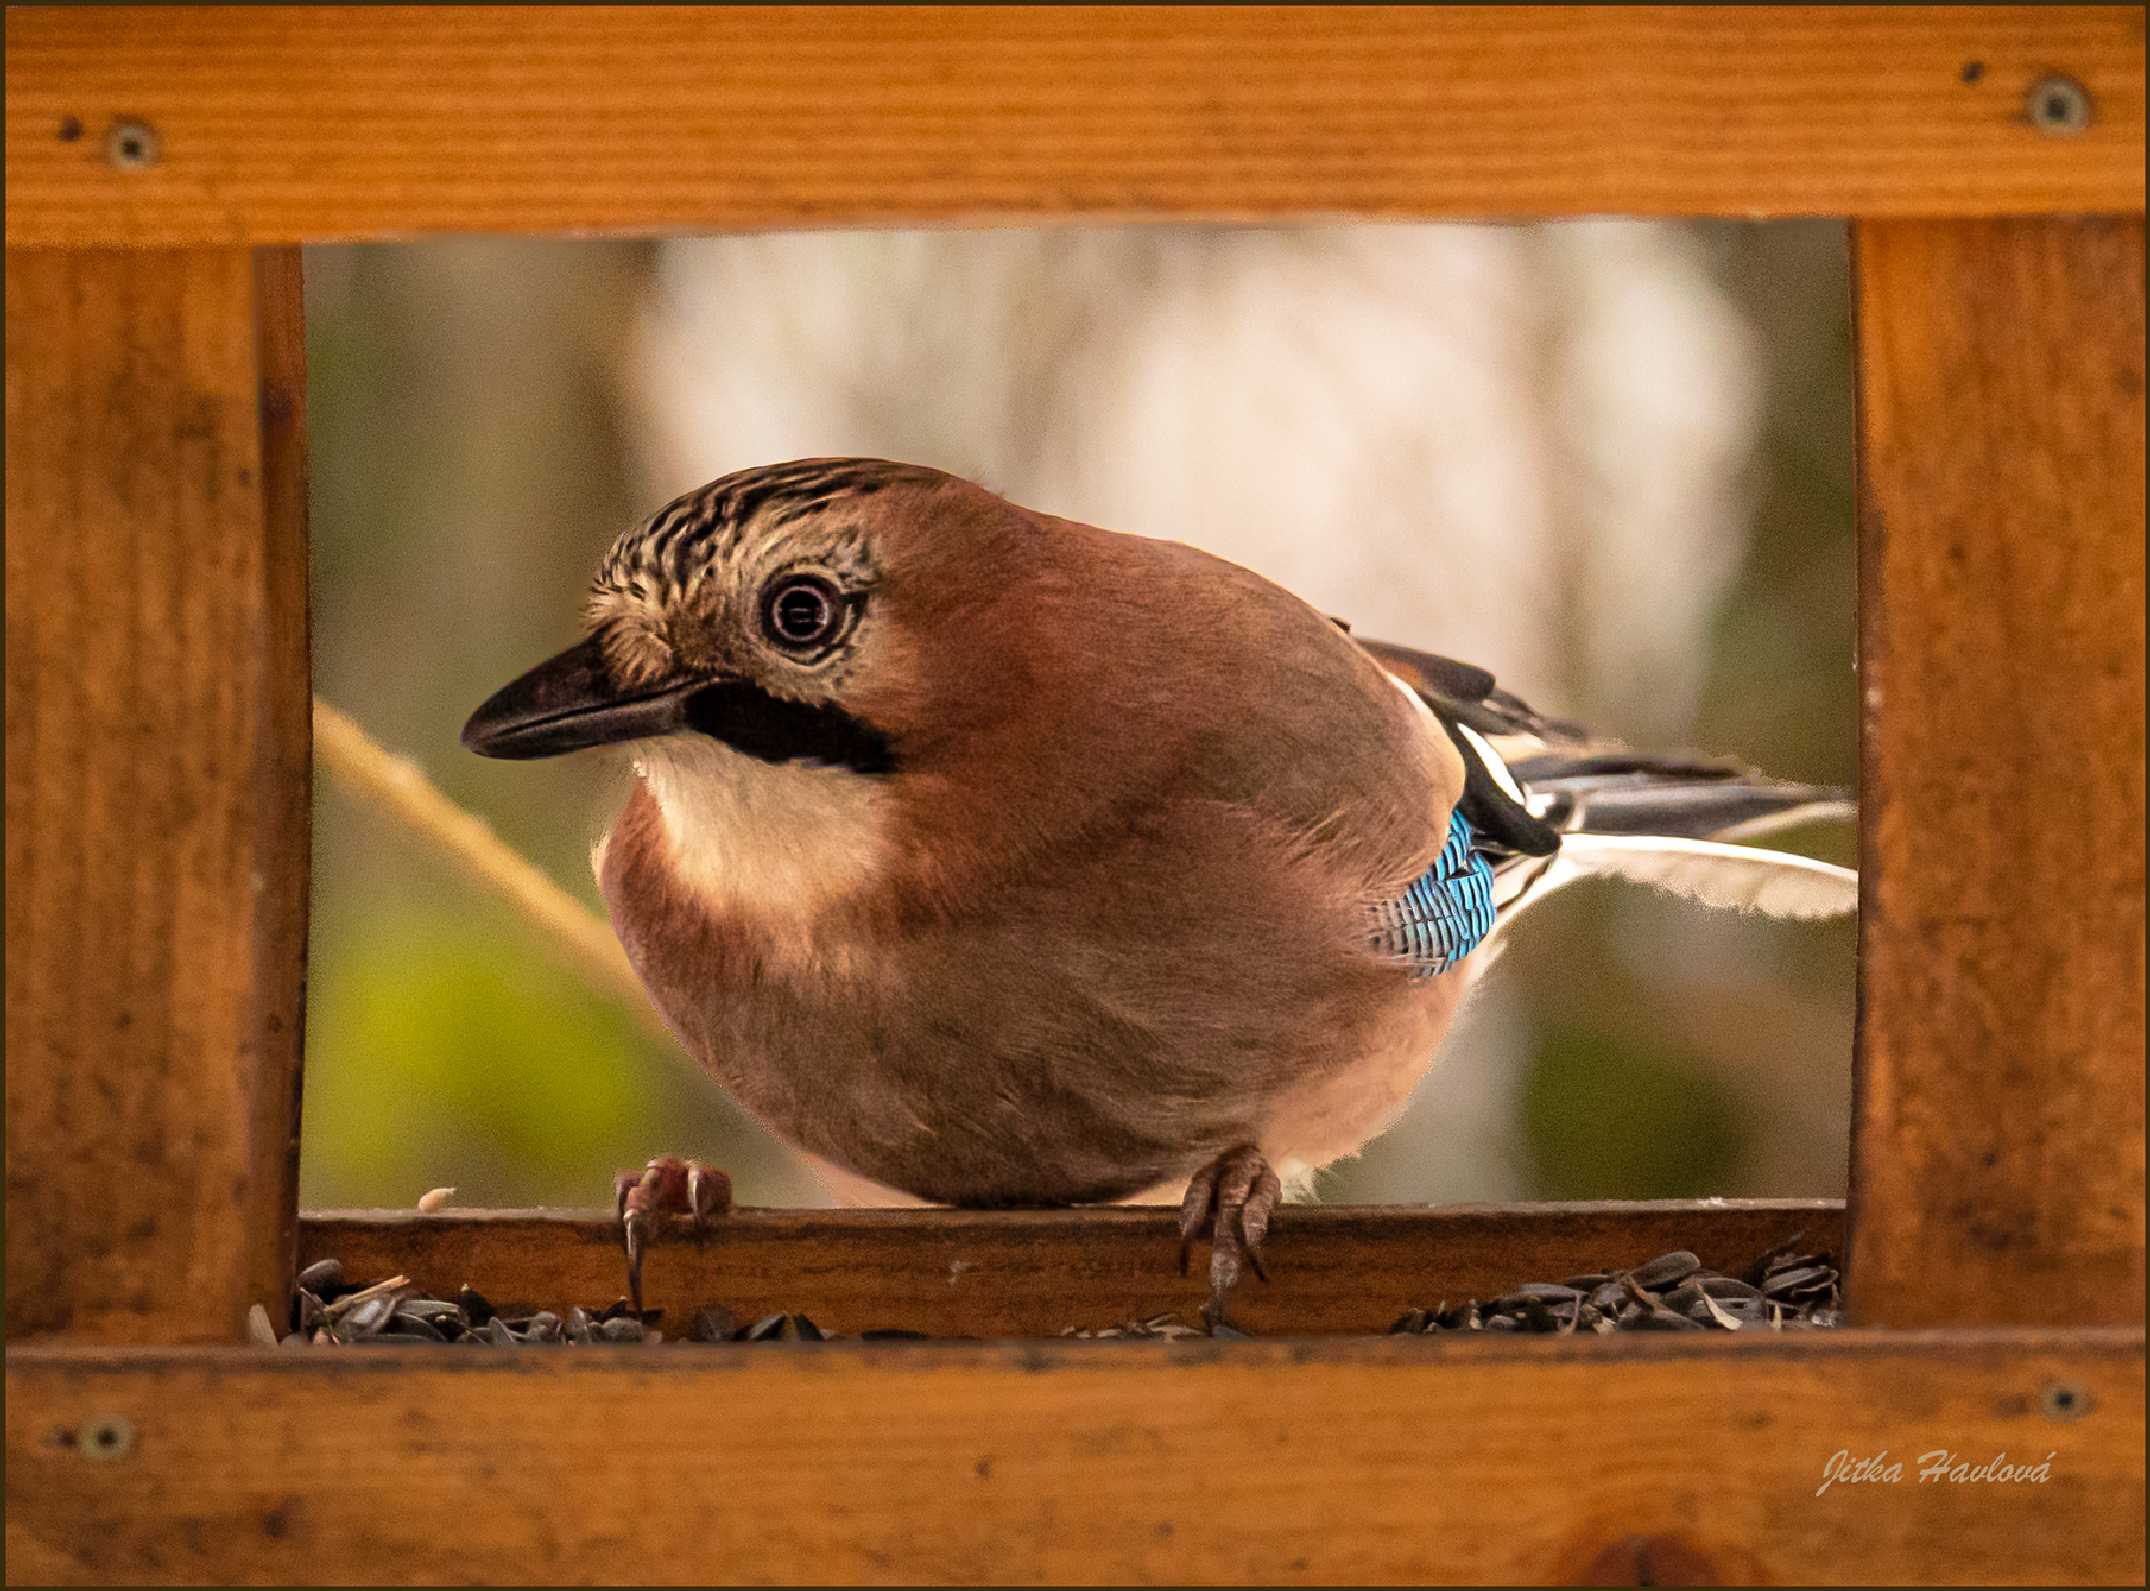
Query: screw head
column 2059, row 105
column 2060, row 1400
column 133, row 145
column 105, row 1437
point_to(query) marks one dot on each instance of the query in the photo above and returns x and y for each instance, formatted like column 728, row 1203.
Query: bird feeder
column 163, row 167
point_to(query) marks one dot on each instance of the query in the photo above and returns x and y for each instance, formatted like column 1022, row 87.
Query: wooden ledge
column 283, row 124
column 1663, row 1460
column 1036, row 1273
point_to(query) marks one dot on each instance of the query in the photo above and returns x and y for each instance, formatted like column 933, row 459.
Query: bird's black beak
column 572, row 701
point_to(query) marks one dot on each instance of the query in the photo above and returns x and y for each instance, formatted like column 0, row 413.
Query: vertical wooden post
column 1998, row 1142
column 157, row 788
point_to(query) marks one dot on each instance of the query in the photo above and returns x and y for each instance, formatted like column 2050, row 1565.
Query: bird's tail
column 1556, row 804
column 1676, row 823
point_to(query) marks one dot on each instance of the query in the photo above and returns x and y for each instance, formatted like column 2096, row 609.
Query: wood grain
column 157, row 778
column 1038, row 1273
column 282, row 124
column 1665, row 1461
column 1998, row 1156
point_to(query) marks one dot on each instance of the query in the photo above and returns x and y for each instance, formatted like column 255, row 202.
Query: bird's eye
column 803, row 610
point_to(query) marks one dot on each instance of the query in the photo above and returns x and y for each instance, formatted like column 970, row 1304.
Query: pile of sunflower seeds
column 1784, row 1290
column 328, row 1310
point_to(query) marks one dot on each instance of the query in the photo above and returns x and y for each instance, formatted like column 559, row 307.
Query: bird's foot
column 668, row 1185
column 1229, row 1201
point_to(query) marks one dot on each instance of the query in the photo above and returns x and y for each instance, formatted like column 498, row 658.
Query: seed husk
column 714, row 1324
column 1784, row 1284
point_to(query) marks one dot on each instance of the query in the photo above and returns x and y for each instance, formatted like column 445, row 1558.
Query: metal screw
column 2062, row 1401
column 2058, row 105
column 132, row 146
column 108, row 1436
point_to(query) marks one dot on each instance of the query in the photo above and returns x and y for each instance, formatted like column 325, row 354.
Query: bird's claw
column 1230, row 1201
column 668, row 1185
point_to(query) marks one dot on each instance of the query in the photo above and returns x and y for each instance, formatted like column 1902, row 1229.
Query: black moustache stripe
column 749, row 719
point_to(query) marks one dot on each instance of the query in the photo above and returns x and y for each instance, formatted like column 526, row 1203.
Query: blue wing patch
column 1445, row 913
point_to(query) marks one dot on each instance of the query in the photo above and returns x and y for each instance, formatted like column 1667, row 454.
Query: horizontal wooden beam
column 1037, row 1273
column 1653, row 1461
column 244, row 124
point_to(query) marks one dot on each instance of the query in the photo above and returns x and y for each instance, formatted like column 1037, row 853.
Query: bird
column 991, row 859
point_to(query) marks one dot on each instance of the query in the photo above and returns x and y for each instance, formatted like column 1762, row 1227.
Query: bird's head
column 775, row 612
column 816, row 666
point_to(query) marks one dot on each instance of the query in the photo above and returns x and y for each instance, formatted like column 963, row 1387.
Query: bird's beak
column 569, row 702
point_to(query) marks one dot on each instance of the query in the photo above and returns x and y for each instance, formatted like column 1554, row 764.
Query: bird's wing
column 1550, row 803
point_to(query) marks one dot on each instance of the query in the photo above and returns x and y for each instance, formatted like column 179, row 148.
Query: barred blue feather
column 1447, row 911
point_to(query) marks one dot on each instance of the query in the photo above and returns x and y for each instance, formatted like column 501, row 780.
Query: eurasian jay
column 991, row 859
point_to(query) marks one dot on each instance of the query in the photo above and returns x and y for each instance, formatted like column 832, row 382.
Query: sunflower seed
column 1666, row 1269
column 1685, row 1296
column 1663, row 1320
column 1537, row 1292
column 322, row 1276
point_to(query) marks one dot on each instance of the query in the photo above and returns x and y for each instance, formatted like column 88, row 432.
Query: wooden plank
column 1658, row 1461
column 280, row 124
column 1038, row 1273
column 157, row 784
column 1998, row 1161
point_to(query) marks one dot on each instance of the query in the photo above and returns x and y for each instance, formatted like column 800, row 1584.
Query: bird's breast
column 776, row 843
column 1106, row 1018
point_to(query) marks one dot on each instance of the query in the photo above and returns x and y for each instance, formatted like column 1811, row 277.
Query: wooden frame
column 160, row 164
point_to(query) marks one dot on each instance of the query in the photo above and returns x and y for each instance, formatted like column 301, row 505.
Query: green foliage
column 446, row 1051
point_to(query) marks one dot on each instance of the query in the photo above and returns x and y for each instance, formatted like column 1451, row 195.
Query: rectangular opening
column 1611, row 461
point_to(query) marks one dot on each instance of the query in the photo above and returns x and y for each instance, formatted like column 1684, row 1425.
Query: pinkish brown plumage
column 993, row 859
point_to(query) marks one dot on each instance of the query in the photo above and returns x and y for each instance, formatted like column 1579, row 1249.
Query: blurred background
column 1609, row 460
